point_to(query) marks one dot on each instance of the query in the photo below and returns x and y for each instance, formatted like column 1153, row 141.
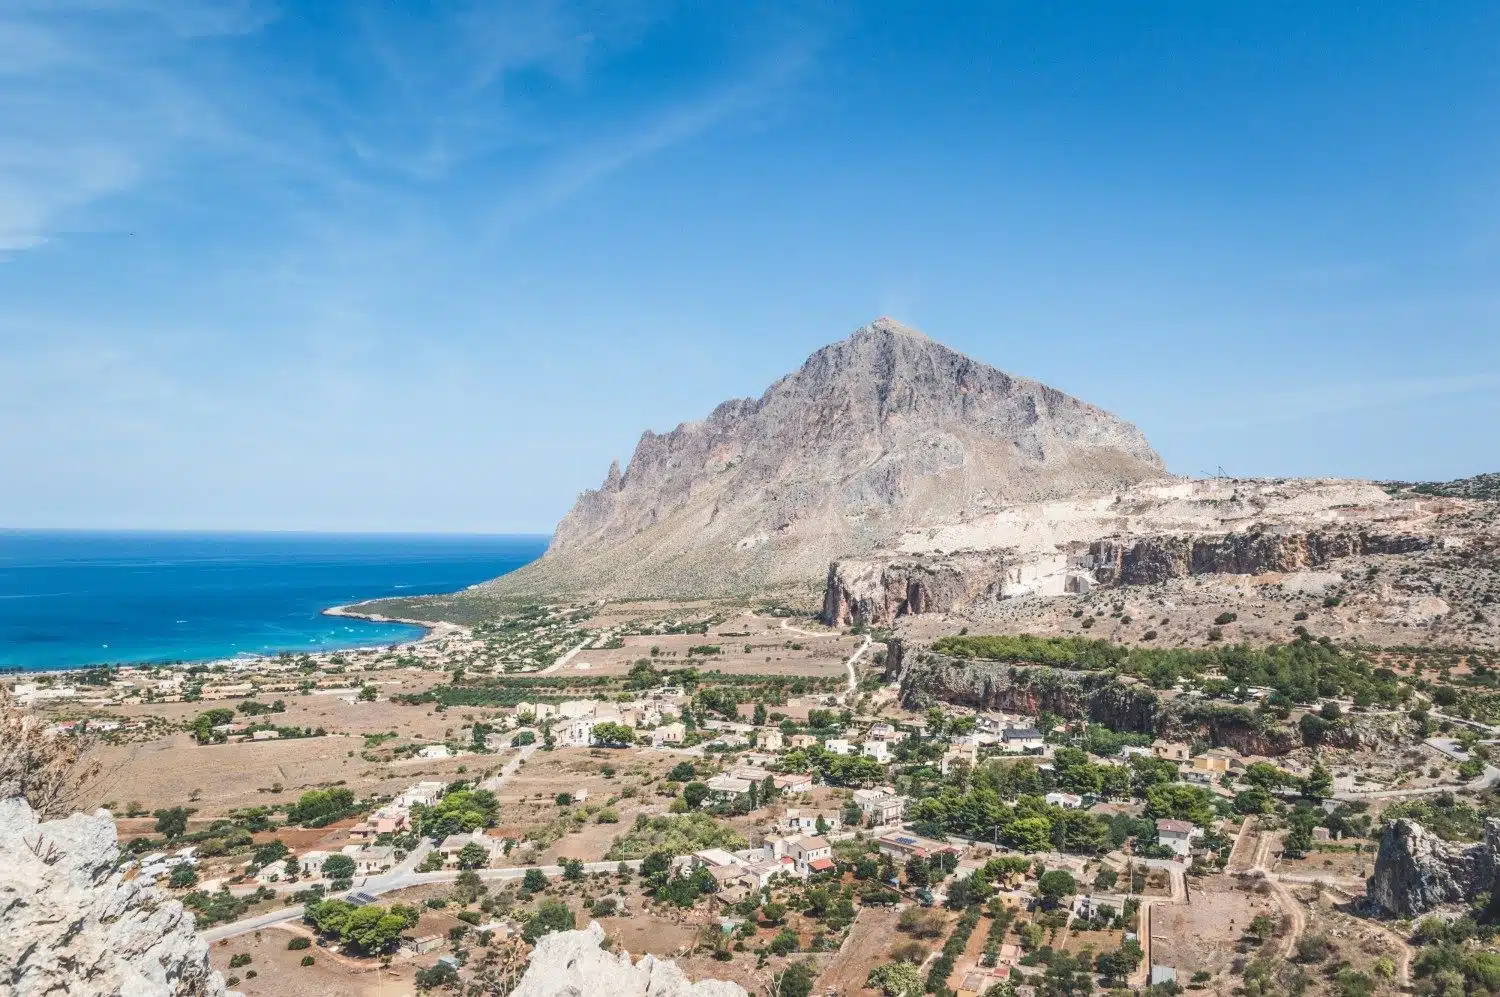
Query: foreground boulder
column 574, row 964
column 1416, row 871
column 73, row 924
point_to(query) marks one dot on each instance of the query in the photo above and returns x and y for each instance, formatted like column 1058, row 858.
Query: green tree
column 613, row 735
column 473, row 856
column 1319, row 783
column 695, row 793
column 796, row 980
column 1056, row 884
column 338, row 867
column 371, row 929
column 172, row 822
column 534, row 881
column 897, row 979
column 550, row 916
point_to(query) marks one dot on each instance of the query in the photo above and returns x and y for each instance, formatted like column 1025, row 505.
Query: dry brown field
column 869, row 944
column 1201, row 936
column 279, row 972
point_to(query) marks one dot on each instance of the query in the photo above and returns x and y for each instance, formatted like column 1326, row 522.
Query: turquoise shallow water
column 81, row 598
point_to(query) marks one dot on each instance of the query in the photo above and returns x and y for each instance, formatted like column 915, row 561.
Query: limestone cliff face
column 996, row 685
column 877, row 592
column 1415, row 871
column 881, row 433
column 1155, row 559
column 574, row 964
column 71, row 924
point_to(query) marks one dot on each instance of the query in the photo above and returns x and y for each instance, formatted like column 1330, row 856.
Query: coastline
column 227, row 599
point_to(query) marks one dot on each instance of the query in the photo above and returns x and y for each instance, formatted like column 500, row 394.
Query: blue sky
column 432, row 266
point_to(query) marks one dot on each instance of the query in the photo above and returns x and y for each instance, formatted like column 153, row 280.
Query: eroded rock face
column 71, row 924
column 1031, row 689
column 1416, row 871
column 1155, row 559
column 573, row 964
column 876, row 593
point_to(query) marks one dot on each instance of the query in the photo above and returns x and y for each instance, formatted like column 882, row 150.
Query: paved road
column 1489, row 777
column 399, row 878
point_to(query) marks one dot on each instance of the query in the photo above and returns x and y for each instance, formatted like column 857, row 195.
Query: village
column 745, row 822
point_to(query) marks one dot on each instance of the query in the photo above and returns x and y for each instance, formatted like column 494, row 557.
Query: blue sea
column 81, row 598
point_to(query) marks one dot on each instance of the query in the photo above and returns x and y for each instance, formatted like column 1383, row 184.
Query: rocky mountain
column 875, row 436
column 74, row 924
column 575, row 964
column 1416, row 871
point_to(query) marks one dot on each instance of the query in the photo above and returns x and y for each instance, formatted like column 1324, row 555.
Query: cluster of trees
column 674, row 834
column 321, row 807
column 202, row 726
column 613, row 735
column 1303, row 670
column 835, row 769
column 370, row 929
column 460, row 811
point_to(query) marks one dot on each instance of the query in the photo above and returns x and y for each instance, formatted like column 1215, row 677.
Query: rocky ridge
column 1151, row 534
column 575, row 964
column 73, row 924
column 1416, row 871
column 875, row 436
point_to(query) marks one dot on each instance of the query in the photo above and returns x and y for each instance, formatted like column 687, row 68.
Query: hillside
column 876, row 435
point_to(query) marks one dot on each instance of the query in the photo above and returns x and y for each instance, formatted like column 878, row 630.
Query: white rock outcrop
column 574, row 964
column 70, row 923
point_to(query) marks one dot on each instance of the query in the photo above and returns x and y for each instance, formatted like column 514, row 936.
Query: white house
column 1022, row 739
column 1068, row 801
column 878, row 750
column 425, row 793
column 435, row 751
column 312, row 863
column 577, row 732
column 883, row 732
column 728, row 785
column 794, row 783
column 838, row 746
column 1177, row 835
column 668, row 734
column 375, row 859
column 811, row 854
column 806, row 821
column 880, row 806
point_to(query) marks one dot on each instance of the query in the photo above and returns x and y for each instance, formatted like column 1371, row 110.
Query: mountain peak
column 880, row 433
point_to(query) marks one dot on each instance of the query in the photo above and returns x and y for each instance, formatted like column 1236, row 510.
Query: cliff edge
column 75, row 925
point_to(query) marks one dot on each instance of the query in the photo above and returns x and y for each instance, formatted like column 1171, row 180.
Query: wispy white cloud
column 581, row 168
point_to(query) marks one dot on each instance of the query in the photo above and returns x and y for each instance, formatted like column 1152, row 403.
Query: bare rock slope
column 1415, row 871
column 574, row 964
column 72, row 924
column 882, row 433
